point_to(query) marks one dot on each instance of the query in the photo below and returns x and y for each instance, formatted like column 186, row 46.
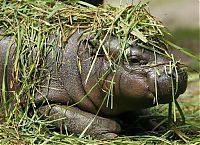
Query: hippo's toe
column 108, row 135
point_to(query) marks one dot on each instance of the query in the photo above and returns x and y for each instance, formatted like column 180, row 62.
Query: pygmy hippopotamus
column 78, row 102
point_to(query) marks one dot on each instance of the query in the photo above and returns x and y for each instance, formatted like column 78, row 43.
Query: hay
column 131, row 23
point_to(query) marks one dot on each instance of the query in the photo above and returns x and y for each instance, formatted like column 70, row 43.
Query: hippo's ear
column 92, row 47
column 109, row 49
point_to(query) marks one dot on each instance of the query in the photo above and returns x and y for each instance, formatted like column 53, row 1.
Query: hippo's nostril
column 173, row 72
column 172, row 75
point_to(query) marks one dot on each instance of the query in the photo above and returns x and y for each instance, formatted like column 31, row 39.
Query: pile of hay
column 131, row 23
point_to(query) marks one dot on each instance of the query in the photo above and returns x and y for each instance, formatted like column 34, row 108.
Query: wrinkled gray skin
column 134, row 88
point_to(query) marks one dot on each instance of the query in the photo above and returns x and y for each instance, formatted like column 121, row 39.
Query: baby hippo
column 90, row 89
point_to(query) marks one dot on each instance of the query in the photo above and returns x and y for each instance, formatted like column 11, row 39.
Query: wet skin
column 133, row 90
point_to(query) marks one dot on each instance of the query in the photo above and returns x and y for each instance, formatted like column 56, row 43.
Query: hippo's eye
column 134, row 59
column 137, row 60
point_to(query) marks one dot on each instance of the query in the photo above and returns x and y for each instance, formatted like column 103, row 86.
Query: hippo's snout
column 166, row 84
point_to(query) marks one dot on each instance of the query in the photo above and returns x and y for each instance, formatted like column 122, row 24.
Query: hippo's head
column 149, row 78
column 142, row 78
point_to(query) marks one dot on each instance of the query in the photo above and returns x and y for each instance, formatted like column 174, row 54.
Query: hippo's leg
column 52, row 92
column 75, row 121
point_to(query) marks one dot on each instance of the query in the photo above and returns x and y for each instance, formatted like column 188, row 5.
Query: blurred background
column 181, row 17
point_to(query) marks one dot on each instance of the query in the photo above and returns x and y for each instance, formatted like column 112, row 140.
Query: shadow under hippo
column 77, row 96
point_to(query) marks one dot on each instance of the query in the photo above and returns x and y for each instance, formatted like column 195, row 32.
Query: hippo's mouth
column 166, row 88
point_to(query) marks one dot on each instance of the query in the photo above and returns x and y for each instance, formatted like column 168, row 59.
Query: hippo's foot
column 139, row 122
column 149, row 123
column 74, row 120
